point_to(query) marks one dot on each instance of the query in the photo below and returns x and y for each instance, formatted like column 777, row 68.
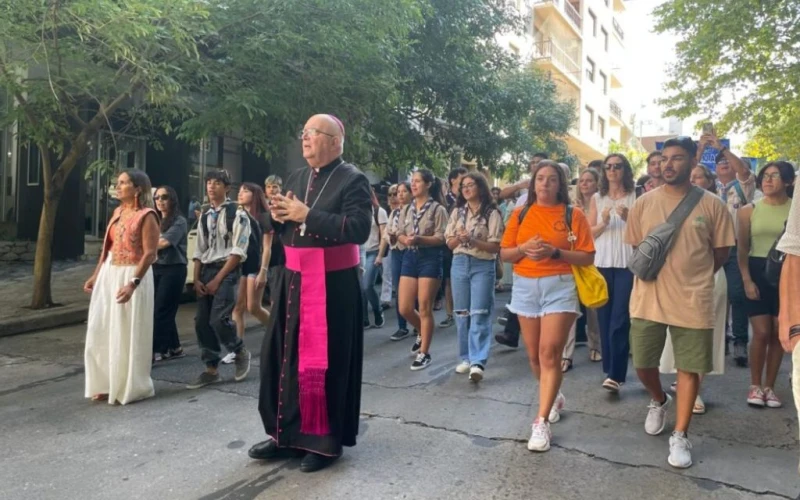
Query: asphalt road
column 429, row 434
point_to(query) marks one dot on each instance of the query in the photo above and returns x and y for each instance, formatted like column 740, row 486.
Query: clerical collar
column 334, row 163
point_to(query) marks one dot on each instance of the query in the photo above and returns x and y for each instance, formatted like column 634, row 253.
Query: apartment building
column 580, row 44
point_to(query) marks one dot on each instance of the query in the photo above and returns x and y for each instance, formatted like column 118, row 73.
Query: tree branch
column 18, row 95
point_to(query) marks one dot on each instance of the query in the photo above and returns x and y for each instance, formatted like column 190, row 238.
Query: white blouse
column 611, row 249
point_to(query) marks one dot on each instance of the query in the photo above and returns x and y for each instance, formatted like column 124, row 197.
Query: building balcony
column 616, row 114
column 618, row 30
column 565, row 10
column 549, row 56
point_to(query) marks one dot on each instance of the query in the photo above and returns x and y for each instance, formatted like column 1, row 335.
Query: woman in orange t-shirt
column 544, row 295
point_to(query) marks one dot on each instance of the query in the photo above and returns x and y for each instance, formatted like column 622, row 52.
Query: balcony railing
column 568, row 9
column 616, row 111
column 618, row 29
column 550, row 50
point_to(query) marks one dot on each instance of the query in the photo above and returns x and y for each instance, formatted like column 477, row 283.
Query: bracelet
column 265, row 269
column 519, row 250
column 794, row 331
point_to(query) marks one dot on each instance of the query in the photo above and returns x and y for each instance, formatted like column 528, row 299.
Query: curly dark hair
column 787, row 175
column 484, row 194
column 563, row 185
column 627, row 175
column 173, row 208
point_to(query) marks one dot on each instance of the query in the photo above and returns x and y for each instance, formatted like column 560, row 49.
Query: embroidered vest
column 127, row 248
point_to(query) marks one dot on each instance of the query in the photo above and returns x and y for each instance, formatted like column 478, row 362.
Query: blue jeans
column 737, row 298
column 615, row 323
column 397, row 263
column 473, row 301
column 368, row 285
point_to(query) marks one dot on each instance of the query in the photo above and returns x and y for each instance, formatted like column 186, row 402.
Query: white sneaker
column 463, row 367
column 476, row 373
column 540, row 435
column 229, row 358
column 679, row 455
column 555, row 411
column 657, row 416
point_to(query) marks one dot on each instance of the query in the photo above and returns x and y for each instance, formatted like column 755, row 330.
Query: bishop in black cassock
column 312, row 354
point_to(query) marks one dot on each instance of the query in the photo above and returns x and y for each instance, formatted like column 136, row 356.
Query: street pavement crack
column 424, row 425
column 52, row 380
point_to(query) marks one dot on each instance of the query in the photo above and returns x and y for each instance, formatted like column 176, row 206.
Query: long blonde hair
column 579, row 199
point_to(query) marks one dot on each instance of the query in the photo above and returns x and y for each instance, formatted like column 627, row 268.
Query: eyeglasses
column 392, row 194
column 467, row 186
column 615, row 166
column 775, row 176
column 163, row 197
column 313, row 132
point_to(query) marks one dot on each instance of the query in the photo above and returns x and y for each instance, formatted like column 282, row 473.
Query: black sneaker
column 379, row 320
column 367, row 324
column 447, row 322
column 176, row 353
column 385, row 306
column 400, row 334
column 242, row 363
column 203, row 380
column 502, row 320
column 422, row 362
column 417, row 344
column 740, row 355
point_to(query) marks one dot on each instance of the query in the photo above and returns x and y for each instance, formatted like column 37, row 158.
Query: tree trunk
column 42, row 265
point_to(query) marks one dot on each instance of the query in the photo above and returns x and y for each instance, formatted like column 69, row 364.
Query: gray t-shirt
column 177, row 235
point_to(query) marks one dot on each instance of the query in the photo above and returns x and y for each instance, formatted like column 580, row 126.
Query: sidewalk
column 16, row 289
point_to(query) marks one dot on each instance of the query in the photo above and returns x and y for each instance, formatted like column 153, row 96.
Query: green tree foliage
column 462, row 89
column 737, row 55
column 414, row 80
column 70, row 66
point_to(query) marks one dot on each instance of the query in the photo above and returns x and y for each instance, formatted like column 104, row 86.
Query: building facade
column 580, row 44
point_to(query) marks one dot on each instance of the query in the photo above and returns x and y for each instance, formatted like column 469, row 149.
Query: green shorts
column 692, row 348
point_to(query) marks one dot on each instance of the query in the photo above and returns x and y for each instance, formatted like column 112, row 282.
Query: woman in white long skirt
column 702, row 177
column 119, row 333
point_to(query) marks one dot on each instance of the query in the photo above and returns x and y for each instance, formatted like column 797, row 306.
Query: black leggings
column 169, row 284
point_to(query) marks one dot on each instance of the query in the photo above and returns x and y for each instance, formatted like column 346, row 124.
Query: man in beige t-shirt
column 681, row 298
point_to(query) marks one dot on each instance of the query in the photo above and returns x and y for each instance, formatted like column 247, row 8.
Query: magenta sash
column 312, row 264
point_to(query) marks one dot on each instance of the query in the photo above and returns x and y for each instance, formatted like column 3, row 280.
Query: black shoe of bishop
column 269, row 450
column 313, row 462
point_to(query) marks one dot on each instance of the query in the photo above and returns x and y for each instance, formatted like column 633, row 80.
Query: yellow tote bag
column 592, row 287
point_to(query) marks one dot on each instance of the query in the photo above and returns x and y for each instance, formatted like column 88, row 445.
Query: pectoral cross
column 303, row 229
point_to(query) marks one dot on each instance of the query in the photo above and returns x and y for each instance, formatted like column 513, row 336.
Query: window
column 604, row 83
column 601, row 127
column 33, row 161
column 590, row 69
column 605, row 38
column 608, row 3
column 593, row 23
column 590, row 114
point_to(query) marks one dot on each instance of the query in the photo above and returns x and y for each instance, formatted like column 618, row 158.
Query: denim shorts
column 425, row 262
column 537, row 297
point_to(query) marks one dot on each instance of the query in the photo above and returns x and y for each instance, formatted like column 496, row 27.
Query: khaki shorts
column 693, row 348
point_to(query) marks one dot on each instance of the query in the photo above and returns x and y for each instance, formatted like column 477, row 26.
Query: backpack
column 649, row 256
column 230, row 217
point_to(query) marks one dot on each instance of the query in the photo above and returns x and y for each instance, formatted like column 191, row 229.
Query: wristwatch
column 135, row 281
column 556, row 254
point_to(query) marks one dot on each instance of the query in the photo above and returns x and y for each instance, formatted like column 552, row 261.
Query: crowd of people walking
column 681, row 253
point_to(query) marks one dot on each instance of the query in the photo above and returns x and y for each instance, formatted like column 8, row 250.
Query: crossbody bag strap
column 742, row 198
column 570, row 235
column 685, row 207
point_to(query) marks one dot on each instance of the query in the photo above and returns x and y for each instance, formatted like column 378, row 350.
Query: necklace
column 308, row 187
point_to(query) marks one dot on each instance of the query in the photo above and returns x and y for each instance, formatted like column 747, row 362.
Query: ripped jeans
column 473, row 300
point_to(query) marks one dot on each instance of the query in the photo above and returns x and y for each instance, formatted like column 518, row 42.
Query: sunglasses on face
column 613, row 166
column 392, row 194
column 162, row 197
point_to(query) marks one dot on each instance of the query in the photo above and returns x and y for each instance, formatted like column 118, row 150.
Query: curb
column 53, row 318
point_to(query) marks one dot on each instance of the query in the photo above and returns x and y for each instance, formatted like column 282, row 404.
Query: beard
column 681, row 176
